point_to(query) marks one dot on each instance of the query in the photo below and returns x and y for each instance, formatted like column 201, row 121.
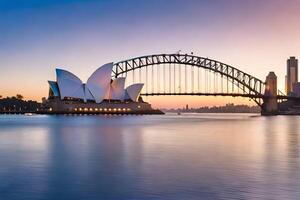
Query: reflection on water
column 213, row 156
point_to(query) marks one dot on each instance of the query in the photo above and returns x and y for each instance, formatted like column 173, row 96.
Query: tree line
column 17, row 104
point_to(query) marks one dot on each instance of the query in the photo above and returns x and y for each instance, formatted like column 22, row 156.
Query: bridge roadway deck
column 219, row 94
column 202, row 94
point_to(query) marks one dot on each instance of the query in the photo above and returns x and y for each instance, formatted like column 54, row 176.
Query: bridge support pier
column 270, row 104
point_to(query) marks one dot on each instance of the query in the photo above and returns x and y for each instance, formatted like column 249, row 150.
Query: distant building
column 296, row 89
column 292, row 74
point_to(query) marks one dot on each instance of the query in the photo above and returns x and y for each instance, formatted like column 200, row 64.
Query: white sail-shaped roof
column 69, row 84
column 98, row 83
column 133, row 91
column 116, row 90
column 107, row 95
column 54, row 88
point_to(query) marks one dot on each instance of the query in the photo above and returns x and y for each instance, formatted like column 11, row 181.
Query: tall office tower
column 292, row 74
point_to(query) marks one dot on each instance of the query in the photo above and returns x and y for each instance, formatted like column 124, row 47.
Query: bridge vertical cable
column 185, row 78
column 179, row 74
column 133, row 78
column 211, row 81
column 215, row 85
column 158, row 78
column 170, row 78
column 205, row 80
column 140, row 74
column 232, row 85
column 222, row 81
column 164, row 77
column 192, row 78
column 146, row 79
column 174, row 85
column 198, row 69
column 152, row 79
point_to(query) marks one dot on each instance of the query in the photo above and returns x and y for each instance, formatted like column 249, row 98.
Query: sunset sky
column 36, row 36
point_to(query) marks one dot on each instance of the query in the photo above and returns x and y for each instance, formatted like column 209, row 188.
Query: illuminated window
column 50, row 109
column 128, row 109
column 119, row 109
column 86, row 109
column 115, row 109
column 91, row 109
column 100, row 109
column 105, row 109
column 75, row 109
column 80, row 109
column 109, row 109
column 96, row 109
column 124, row 109
column 139, row 106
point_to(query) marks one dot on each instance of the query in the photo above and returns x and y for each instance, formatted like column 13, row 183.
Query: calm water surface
column 192, row 156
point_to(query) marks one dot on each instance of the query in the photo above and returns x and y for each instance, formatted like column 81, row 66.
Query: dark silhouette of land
column 16, row 104
column 228, row 108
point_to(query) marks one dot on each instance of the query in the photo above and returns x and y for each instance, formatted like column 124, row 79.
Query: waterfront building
column 292, row 74
column 100, row 94
column 186, row 107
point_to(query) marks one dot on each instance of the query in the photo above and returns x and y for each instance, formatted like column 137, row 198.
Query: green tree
column 19, row 96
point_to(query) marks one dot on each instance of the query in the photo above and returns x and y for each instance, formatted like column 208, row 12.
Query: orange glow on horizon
column 194, row 101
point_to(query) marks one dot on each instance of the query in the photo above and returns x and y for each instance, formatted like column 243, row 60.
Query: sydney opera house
column 100, row 94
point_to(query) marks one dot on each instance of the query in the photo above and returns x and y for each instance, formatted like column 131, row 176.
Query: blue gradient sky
column 36, row 36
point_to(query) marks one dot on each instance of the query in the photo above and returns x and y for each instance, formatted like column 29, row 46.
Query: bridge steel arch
column 251, row 86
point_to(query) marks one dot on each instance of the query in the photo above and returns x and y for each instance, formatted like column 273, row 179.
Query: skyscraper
column 292, row 74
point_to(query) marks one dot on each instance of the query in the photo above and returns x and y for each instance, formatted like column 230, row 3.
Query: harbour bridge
column 187, row 74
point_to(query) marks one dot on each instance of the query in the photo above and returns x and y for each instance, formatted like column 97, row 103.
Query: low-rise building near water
column 99, row 95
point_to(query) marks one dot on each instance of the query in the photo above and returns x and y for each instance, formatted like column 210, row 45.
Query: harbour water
column 188, row 156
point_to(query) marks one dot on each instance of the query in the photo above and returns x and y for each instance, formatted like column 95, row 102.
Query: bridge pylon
column 270, row 103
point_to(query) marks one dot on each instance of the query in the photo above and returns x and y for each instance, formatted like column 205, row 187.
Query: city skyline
column 81, row 35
